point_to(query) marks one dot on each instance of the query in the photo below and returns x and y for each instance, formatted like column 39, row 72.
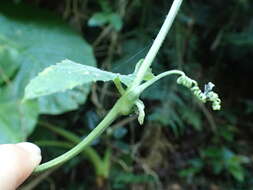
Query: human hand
column 17, row 161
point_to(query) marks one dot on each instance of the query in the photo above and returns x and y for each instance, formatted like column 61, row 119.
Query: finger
column 17, row 161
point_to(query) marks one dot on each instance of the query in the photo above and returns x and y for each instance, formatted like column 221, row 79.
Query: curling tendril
column 208, row 95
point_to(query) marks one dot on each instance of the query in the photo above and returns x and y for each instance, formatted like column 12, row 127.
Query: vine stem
column 126, row 102
column 110, row 117
column 145, row 85
column 157, row 43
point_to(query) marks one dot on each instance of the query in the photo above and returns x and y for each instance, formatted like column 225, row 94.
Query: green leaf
column 99, row 19
column 42, row 40
column 67, row 75
column 17, row 120
column 120, row 178
column 148, row 75
column 212, row 152
column 234, row 166
column 8, row 58
column 116, row 21
column 102, row 18
column 30, row 40
column 237, row 172
column 196, row 166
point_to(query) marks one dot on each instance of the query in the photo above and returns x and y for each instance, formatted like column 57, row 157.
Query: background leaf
column 99, row 19
column 8, row 58
column 16, row 125
column 43, row 40
column 30, row 40
column 102, row 18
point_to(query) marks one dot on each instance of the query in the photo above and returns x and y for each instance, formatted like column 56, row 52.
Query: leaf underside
column 67, row 75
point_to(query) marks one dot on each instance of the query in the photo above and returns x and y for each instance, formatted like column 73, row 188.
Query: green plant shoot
column 67, row 75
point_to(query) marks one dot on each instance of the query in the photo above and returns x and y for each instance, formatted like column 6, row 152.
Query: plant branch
column 110, row 117
column 157, row 42
column 88, row 151
column 145, row 85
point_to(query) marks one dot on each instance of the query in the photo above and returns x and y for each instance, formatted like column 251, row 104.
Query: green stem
column 101, row 167
column 157, row 43
column 119, row 86
column 106, row 163
column 145, row 85
column 88, row 151
column 110, row 117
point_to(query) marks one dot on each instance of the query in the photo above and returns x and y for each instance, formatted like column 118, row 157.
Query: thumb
column 17, row 161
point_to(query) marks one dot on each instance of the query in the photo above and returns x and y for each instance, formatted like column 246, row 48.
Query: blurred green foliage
column 30, row 41
column 182, row 144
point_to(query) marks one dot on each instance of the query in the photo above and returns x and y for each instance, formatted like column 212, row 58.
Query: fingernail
column 32, row 149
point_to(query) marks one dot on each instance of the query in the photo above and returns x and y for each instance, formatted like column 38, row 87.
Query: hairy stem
column 157, row 42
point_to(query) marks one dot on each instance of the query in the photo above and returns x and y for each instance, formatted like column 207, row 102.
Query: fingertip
column 17, row 161
column 33, row 150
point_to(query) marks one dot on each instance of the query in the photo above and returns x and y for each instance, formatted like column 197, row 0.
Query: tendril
column 214, row 98
column 208, row 95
